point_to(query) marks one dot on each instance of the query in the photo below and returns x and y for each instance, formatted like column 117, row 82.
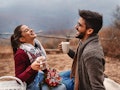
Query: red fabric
column 23, row 69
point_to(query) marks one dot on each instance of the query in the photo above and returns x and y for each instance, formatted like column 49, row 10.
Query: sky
column 50, row 14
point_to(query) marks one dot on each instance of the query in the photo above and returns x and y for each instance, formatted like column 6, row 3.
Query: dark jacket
column 88, row 65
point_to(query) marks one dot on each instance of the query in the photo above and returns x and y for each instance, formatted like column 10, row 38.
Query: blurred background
column 50, row 14
column 57, row 18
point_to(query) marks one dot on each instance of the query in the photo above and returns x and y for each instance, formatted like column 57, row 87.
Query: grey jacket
column 88, row 65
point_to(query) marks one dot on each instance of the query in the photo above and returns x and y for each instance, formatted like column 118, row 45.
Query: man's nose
column 76, row 27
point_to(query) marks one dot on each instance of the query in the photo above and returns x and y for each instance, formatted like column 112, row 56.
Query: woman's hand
column 40, row 63
column 36, row 65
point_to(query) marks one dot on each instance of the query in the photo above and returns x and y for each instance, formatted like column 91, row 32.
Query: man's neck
column 85, row 38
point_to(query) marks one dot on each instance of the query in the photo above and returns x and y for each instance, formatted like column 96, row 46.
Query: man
column 88, row 65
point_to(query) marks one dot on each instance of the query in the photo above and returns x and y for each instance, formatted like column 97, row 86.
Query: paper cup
column 42, row 61
column 65, row 47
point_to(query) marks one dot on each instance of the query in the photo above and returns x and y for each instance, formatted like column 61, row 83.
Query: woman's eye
column 26, row 30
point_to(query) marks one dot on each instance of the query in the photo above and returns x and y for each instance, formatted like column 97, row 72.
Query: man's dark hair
column 92, row 19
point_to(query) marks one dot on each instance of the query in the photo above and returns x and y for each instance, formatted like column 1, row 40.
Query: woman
column 26, row 49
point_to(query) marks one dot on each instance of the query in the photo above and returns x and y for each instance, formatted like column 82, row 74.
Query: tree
column 116, row 15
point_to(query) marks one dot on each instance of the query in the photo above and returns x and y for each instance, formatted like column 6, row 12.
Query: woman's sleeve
column 23, row 68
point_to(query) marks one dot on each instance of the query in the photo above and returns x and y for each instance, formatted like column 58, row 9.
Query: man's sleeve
column 95, row 69
column 71, row 53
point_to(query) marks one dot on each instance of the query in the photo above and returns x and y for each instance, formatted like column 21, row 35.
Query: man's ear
column 90, row 31
column 22, row 39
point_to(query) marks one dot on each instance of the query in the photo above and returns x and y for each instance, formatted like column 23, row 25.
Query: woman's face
column 28, row 34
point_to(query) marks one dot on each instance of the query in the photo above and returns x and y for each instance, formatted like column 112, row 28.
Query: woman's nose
column 31, row 30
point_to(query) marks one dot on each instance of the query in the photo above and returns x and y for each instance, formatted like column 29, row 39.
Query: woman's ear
column 22, row 39
column 90, row 31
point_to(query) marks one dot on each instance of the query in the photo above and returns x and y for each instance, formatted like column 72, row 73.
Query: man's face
column 81, row 29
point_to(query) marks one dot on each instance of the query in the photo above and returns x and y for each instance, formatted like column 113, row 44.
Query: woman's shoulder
column 20, row 52
column 21, row 56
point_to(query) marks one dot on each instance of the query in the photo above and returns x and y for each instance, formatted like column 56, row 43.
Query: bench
column 11, row 83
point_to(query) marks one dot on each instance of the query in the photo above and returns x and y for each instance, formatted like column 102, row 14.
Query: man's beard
column 81, row 35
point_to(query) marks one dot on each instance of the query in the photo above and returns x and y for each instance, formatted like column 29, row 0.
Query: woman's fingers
column 35, row 65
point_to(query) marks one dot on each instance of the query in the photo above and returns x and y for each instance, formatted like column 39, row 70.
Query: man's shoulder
column 93, row 50
column 93, row 46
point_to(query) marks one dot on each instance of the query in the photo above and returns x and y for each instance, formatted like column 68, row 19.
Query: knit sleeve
column 23, row 69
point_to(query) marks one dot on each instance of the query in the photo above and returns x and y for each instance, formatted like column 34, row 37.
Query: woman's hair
column 15, row 42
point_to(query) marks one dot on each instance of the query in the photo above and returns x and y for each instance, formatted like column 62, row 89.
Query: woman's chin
column 34, row 35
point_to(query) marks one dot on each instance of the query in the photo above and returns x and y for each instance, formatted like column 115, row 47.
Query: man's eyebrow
column 78, row 23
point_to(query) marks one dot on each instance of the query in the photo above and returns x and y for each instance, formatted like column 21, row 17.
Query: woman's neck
column 31, row 42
